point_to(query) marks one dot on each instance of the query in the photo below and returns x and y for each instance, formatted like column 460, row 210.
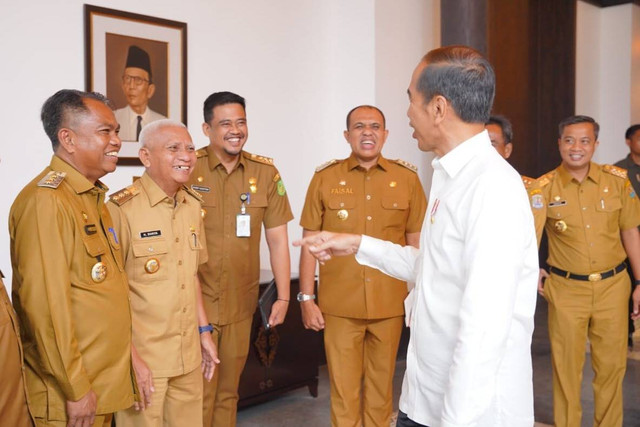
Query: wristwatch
column 303, row 297
column 206, row 328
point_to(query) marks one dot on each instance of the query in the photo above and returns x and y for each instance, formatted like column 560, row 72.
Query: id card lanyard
column 243, row 219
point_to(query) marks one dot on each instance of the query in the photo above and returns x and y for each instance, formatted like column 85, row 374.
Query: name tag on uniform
column 560, row 203
column 152, row 233
column 243, row 225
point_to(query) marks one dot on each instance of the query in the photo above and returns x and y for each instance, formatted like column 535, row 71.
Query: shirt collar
column 133, row 114
column 214, row 161
column 78, row 182
column 352, row 162
column 453, row 162
column 595, row 172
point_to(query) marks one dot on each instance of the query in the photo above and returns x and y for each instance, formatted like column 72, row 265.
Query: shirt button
column 368, row 196
column 341, row 204
column 584, row 208
column 395, row 205
column 184, row 333
column 369, row 218
column 180, row 262
column 368, row 178
column 588, row 226
column 177, row 239
column 182, row 286
column 184, row 310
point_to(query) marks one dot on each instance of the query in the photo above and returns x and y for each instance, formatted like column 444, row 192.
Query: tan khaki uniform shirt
column 583, row 220
column 13, row 396
column 76, row 329
column 230, row 278
column 163, row 243
column 387, row 201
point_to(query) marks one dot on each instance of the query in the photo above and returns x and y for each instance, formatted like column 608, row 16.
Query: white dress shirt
column 469, row 356
column 128, row 121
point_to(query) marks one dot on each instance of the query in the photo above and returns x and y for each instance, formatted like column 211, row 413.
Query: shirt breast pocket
column 96, row 252
column 608, row 214
column 394, row 210
column 341, row 214
column 562, row 221
column 150, row 260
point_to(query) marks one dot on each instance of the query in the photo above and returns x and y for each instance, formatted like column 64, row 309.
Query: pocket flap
column 392, row 202
column 143, row 248
column 94, row 245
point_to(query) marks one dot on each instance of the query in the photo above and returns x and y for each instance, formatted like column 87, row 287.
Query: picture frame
column 139, row 62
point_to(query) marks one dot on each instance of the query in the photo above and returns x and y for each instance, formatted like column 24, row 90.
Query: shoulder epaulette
column 201, row 153
column 124, row 195
column 327, row 164
column 193, row 193
column 52, row 179
column 546, row 178
column 259, row 159
column 407, row 165
column 527, row 181
column 615, row 170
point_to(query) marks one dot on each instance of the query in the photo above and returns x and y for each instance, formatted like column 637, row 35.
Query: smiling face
column 577, row 145
column 90, row 140
column 227, row 130
column 169, row 157
column 366, row 135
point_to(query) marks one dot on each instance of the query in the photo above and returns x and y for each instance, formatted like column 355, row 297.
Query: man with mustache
column 471, row 313
column 361, row 309
column 162, row 238
column 69, row 285
column 241, row 193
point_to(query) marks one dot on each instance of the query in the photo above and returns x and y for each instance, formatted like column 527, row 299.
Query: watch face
column 300, row 297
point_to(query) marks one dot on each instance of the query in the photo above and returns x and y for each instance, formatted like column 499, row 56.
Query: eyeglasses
column 137, row 81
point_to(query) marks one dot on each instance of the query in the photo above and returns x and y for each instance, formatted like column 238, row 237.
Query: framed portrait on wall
column 140, row 63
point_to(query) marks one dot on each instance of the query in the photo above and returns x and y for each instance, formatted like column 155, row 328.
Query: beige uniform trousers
column 361, row 355
column 176, row 401
column 100, row 421
column 220, row 403
column 597, row 310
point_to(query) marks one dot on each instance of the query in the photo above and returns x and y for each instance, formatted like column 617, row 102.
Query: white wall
column 301, row 64
column 604, row 77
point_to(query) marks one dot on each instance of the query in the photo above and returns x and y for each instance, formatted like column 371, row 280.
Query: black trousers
column 404, row 421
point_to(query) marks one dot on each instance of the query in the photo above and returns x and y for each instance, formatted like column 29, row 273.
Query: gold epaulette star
column 201, row 153
column 258, row 158
column 546, row 178
column 407, row 165
column 193, row 193
column 124, row 195
column 52, row 179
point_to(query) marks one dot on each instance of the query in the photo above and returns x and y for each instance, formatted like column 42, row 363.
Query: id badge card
column 243, row 225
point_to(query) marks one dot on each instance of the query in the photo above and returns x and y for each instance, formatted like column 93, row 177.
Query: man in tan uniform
column 13, row 396
column 162, row 238
column 591, row 214
column 70, row 289
column 241, row 192
column 361, row 309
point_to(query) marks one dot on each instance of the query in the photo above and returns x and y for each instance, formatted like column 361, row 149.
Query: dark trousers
column 404, row 421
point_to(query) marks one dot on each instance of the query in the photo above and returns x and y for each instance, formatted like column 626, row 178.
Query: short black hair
column 384, row 120
column 66, row 101
column 505, row 126
column 221, row 98
column 631, row 131
column 464, row 77
column 574, row 120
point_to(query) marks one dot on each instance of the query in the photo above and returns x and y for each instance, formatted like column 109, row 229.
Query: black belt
column 593, row 277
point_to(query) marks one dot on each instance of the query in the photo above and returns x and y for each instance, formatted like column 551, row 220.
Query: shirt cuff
column 370, row 249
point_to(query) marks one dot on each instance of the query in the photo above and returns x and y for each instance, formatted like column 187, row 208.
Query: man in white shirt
column 471, row 312
column 138, row 87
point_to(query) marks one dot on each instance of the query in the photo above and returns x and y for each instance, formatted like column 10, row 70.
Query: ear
column 206, row 128
column 508, row 148
column 67, row 138
column 385, row 134
column 595, row 144
column 628, row 142
column 143, row 154
column 440, row 108
column 151, row 90
column 346, row 135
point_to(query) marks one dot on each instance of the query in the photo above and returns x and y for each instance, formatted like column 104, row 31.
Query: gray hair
column 149, row 131
column 464, row 77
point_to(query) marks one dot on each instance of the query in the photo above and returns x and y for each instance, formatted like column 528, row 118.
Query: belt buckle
column 594, row 277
